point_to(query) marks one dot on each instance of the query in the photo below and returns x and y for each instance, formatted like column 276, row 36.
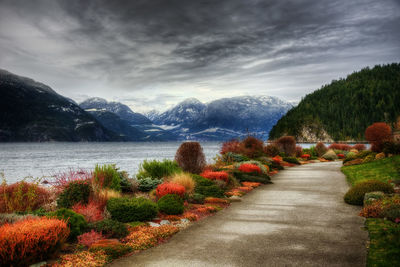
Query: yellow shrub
column 106, row 193
column 185, row 180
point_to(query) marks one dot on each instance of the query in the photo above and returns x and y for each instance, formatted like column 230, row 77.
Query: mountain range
column 32, row 111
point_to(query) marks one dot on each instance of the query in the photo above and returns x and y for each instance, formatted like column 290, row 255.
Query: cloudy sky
column 155, row 53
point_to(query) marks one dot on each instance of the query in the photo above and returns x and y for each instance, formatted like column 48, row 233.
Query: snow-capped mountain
column 123, row 111
column 152, row 114
column 184, row 113
column 224, row 118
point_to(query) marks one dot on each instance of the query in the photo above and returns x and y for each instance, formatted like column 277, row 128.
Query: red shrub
column 92, row 211
column 287, row 144
column 221, row 175
column 272, row 150
column 277, row 159
column 374, row 210
column 231, row 146
column 344, row 147
column 249, row 168
column 299, row 151
column 30, row 241
column 190, row 157
column 22, row 196
column 341, row 156
column 252, row 147
column 360, row 147
column 321, row 149
column 305, row 156
column 170, row 188
column 377, row 134
column 89, row 238
column 62, row 179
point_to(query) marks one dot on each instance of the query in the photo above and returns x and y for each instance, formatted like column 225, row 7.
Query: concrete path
column 300, row 220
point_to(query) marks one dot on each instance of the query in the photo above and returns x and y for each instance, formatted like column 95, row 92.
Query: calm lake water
column 20, row 160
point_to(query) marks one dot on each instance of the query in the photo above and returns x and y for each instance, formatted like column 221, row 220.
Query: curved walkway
column 300, row 220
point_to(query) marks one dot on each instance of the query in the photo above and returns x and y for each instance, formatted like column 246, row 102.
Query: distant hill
column 224, row 118
column 32, row 111
column 343, row 109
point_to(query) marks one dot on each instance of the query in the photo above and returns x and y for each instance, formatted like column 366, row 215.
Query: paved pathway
column 300, row 220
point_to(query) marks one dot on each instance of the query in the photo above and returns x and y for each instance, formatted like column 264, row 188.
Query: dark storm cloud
column 155, row 51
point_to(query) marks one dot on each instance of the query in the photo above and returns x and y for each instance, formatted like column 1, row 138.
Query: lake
column 19, row 160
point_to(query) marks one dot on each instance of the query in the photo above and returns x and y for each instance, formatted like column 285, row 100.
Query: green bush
column 113, row 251
column 171, row 204
column 364, row 153
column 355, row 195
column 252, row 177
column 127, row 184
column 368, row 158
column 330, row 155
column 157, row 169
column 291, row 160
column 107, row 176
column 391, row 148
column 147, row 184
column 76, row 222
column 74, row 192
column 197, row 198
column 392, row 212
column 201, row 181
column 110, row 228
column 233, row 157
column 131, row 209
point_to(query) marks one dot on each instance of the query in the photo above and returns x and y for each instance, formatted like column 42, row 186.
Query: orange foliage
column 144, row 237
column 251, row 184
column 215, row 200
column 221, row 175
column 30, row 241
column 247, row 167
column 170, row 188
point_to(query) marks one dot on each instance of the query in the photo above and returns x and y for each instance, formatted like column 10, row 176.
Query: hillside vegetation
column 346, row 107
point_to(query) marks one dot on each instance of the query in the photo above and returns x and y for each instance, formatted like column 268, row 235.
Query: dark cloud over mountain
column 139, row 51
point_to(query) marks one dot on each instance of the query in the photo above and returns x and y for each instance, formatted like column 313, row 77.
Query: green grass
column 384, row 248
column 382, row 170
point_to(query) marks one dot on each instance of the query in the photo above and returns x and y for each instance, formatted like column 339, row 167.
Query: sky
column 152, row 54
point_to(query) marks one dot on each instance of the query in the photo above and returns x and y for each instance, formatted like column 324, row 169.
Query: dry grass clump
column 185, row 180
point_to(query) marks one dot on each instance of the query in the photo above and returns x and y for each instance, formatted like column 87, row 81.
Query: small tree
column 377, row 134
column 190, row 157
column 252, row 147
column 287, row 144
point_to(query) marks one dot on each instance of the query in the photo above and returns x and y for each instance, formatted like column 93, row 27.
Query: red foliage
column 251, row 184
column 305, row 156
column 337, row 146
column 190, row 157
column 89, row 238
column 170, row 188
column 360, row 147
column 221, row 175
column 231, row 146
column 299, row 151
column 252, row 147
column 287, row 144
column 374, row 210
column 22, row 196
column 249, row 168
column 277, row 159
column 92, row 211
column 62, row 179
column 271, row 150
column 377, row 134
column 341, row 156
column 30, row 241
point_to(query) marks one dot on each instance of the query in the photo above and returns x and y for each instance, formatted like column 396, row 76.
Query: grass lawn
column 382, row 170
column 384, row 248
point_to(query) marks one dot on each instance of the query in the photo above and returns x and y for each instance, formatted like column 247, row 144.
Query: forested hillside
column 344, row 108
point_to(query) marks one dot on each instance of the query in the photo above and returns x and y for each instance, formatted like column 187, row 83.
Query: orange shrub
column 144, row 237
column 22, row 196
column 251, row 184
column 247, row 167
column 277, row 159
column 221, row 175
column 374, row 210
column 170, row 188
column 30, row 241
column 83, row 259
column 215, row 200
column 377, row 134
